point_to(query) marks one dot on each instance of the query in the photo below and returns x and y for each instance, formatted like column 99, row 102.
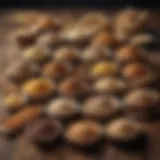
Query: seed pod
column 14, row 123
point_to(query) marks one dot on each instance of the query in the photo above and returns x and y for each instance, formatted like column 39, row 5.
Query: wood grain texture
column 21, row 149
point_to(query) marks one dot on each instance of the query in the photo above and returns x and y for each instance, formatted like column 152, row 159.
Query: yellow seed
column 38, row 87
column 13, row 100
column 103, row 69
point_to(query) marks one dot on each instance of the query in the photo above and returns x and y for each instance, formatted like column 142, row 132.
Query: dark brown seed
column 25, row 38
column 73, row 87
column 44, row 131
column 56, row 70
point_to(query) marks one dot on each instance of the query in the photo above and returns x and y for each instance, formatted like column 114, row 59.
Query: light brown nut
column 83, row 133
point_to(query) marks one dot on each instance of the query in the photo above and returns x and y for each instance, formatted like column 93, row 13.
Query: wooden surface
column 21, row 149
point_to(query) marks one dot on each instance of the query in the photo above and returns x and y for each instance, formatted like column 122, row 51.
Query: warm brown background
column 20, row 149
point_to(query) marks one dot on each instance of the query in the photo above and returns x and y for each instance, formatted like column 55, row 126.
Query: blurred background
column 77, row 3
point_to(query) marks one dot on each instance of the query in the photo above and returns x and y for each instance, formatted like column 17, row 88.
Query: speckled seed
column 141, row 99
column 14, row 123
column 39, row 88
column 109, row 85
column 63, row 108
column 123, row 129
column 100, row 107
column 83, row 133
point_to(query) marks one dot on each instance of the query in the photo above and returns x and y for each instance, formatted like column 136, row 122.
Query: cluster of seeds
column 79, row 82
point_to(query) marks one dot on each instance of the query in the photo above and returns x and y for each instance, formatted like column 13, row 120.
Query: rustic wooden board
column 21, row 149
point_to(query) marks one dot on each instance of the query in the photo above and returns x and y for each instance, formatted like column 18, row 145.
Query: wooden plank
column 154, row 141
column 25, row 151
column 113, row 153
column 6, row 148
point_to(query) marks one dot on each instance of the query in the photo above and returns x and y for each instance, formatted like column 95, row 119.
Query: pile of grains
column 82, row 82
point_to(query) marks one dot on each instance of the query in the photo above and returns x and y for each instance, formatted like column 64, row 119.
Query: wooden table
column 21, row 149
